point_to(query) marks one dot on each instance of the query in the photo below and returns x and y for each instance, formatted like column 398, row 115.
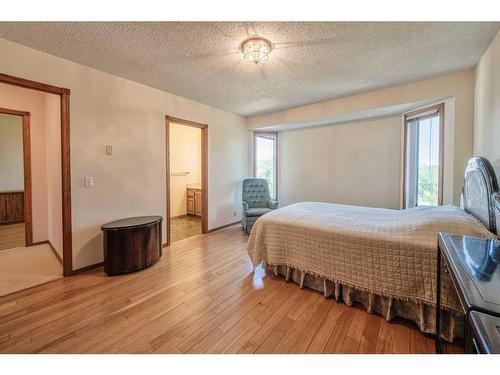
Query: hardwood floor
column 202, row 297
column 11, row 235
column 185, row 227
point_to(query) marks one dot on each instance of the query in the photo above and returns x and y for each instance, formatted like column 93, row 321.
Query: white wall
column 53, row 171
column 356, row 163
column 487, row 106
column 11, row 153
column 106, row 109
column 457, row 89
column 185, row 156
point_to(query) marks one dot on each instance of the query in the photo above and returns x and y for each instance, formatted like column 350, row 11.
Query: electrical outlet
column 234, row 213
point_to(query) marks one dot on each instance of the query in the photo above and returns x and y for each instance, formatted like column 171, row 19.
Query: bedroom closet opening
column 186, row 179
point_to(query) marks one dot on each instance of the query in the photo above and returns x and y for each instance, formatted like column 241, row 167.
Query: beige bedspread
column 382, row 252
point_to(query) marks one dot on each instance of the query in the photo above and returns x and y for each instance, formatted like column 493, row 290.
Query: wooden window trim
column 410, row 116
column 204, row 170
column 276, row 166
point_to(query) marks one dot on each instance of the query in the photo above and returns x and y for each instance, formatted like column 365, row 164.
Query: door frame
column 65, row 159
column 204, row 169
column 28, row 222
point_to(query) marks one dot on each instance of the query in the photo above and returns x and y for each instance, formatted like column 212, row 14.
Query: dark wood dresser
column 132, row 244
column 472, row 264
column 484, row 333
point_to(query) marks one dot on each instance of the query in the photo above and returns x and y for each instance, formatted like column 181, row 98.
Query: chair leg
column 246, row 230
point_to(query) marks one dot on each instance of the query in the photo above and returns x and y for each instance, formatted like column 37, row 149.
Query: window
column 423, row 165
column 265, row 159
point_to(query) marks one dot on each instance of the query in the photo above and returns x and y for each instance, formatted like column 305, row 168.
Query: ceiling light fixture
column 256, row 50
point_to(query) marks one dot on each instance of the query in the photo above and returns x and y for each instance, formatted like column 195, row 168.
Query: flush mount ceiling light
column 256, row 50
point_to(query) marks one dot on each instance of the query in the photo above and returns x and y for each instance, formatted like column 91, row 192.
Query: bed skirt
column 388, row 307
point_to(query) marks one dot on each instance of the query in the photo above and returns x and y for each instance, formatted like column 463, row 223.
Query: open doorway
column 35, row 195
column 187, row 178
column 61, row 146
column 15, row 179
column 30, row 193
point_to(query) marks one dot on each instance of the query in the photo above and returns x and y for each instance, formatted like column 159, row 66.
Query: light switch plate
column 89, row 182
column 109, row 150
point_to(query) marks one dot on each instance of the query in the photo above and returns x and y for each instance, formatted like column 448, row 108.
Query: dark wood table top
column 486, row 331
column 474, row 268
column 131, row 222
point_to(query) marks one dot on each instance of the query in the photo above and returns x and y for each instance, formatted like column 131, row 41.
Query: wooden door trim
column 65, row 159
column 167, row 179
column 28, row 213
column 440, row 109
column 28, row 210
column 66, row 184
column 28, row 84
column 204, row 169
column 181, row 121
column 8, row 111
column 204, row 179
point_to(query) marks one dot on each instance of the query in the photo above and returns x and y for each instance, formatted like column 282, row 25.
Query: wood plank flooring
column 202, row 297
column 11, row 235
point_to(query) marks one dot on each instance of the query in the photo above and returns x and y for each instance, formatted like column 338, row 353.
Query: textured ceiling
column 310, row 62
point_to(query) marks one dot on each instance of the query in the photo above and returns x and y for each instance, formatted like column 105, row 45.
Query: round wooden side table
column 132, row 244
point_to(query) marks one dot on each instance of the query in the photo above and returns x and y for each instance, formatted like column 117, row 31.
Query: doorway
column 30, row 236
column 60, row 95
column 15, row 179
column 186, row 178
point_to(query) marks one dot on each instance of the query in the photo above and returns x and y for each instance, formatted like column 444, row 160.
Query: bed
column 384, row 259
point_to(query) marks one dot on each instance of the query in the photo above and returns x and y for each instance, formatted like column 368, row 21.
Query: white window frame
column 409, row 117
column 275, row 161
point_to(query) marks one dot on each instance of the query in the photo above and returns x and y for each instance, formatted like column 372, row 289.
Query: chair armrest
column 245, row 206
column 272, row 204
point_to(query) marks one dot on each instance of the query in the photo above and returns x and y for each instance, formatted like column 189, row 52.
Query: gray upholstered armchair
column 256, row 201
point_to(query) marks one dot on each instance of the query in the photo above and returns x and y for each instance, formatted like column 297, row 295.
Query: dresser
column 484, row 333
column 472, row 264
column 194, row 200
